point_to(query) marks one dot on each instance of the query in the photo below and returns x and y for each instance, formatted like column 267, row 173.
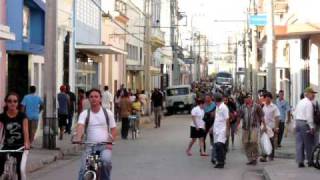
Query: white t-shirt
column 97, row 130
column 271, row 111
column 106, row 99
column 220, row 123
column 199, row 114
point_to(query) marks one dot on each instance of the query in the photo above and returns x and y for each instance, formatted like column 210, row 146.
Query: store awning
column 100, row 49
column 5, row 33
column 155, row 71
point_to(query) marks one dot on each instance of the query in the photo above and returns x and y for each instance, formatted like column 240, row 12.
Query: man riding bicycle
column 99, row 126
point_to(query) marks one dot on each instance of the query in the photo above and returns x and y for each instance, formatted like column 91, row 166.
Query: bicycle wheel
column 316, row 157
column 90, row 175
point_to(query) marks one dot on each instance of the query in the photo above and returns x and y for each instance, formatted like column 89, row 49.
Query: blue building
column 25, row 55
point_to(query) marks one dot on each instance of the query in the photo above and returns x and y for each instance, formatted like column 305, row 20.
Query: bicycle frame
column 10, row 165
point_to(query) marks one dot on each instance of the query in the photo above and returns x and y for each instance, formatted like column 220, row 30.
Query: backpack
column 316, row 114
column 88, row 118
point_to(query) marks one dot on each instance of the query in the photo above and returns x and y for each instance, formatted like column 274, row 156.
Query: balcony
column 121, row 8
column 157, row 38
column 5, row 33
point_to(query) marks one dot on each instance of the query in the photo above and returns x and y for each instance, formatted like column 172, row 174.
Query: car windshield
column 177, row 91
column 223, row 80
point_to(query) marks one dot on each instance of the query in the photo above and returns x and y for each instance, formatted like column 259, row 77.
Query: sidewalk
column 286, row 168
column 39, row 157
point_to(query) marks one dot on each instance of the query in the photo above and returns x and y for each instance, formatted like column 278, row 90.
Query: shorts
column 33, row 126
column 194, row 133
column 62, row 120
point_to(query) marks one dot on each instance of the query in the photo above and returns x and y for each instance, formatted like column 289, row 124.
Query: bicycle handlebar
column 16, row 150
column 93, row 143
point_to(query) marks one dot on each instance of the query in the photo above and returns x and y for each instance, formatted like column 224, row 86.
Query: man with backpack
column 99, row 126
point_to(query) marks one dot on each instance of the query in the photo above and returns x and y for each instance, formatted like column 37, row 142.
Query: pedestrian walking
column 271, row 116
column 252, row 117
column 16, row 134
column 305, row 128
column 220, row 130
column 233, row 121
column 32, row 105
column 71, row 108
column 63, row 102
column 157, row 101
column 107, row 98
column 209, row 112
column 117, row 99
column 125, row 111
column 197, row 128
column 143, row 100
column 99, row 126
column 284, row 109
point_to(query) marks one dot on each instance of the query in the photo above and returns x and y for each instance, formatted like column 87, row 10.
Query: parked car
column 179, row 98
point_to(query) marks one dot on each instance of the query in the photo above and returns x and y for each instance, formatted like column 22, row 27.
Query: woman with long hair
column 15, row 129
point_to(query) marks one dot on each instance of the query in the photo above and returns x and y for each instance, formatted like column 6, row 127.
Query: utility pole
column 270, row 50
column 49, row 123
column 147, row 50
column 173, row 17
column 254, row 57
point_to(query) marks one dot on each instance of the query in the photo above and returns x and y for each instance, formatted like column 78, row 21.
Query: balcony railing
column 156, row 32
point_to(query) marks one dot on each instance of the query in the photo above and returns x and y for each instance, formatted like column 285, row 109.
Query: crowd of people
column 222, row 116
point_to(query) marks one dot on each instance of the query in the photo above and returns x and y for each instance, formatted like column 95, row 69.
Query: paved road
column 159, row 154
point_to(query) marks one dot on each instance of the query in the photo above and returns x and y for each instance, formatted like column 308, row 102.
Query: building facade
column 25, row 54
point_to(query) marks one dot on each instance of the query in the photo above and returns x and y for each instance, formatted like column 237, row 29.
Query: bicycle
column 93, row 161
column 9, row 172
column 316, row 157
column 133, row 127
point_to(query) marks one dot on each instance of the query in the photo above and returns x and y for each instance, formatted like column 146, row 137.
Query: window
column 305, row 49
column 121, row 7
column 26, row 22
column 133, row 52
column 177, row 91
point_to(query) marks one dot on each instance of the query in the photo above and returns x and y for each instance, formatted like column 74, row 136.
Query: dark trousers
column 69, row 123
column 281, row 132
column 220, row 152
column 124, row 127
column 3, row 158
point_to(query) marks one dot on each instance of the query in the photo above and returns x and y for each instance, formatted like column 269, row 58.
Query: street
column 159, row 154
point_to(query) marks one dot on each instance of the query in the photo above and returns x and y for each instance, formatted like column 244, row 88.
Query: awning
column 134, row 68
column 5, row 33
column 296, row 30
column 155, row 71
column 100, row 49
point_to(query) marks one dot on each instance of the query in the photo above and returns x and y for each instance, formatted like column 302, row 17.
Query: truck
column 223, row 82
column 179, row 98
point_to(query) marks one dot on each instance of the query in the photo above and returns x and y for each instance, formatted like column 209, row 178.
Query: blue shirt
column 32, row 104
column 284, row 108
column 63, row 103
column 210, row 107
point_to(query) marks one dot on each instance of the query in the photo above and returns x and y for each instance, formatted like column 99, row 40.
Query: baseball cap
column 309, row 90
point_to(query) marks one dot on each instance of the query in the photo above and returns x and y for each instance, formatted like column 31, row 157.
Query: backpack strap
column 107, row 118
column 87, row 120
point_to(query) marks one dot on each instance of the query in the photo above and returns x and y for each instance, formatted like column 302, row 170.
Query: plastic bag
column 266, row 146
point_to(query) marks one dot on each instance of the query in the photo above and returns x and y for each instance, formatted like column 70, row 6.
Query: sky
column 204, row 13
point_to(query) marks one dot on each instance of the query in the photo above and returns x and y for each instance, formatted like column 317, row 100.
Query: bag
column 316, row 114
column 266, row 146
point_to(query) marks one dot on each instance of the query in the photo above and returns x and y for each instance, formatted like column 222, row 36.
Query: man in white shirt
column 99, row 127
column 107, row 98
column 305, row 128
column 220, row 127
column 271, row 116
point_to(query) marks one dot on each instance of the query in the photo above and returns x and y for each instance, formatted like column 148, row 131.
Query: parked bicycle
column 10, row 166
column 316, row 157
column 93, row 161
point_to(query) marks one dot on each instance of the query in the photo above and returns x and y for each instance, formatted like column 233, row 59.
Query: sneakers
column 301, row 165
column 219, row 166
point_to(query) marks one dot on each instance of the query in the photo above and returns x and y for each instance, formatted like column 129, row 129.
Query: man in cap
column 252, row 115
column 305, row 128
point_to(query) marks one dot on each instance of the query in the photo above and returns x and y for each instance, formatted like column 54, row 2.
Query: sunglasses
column 12, row 101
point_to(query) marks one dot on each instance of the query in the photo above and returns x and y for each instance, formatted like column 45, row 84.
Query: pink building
column 4, row 35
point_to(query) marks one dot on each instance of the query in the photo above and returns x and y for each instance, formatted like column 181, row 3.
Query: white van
column 179, row 98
